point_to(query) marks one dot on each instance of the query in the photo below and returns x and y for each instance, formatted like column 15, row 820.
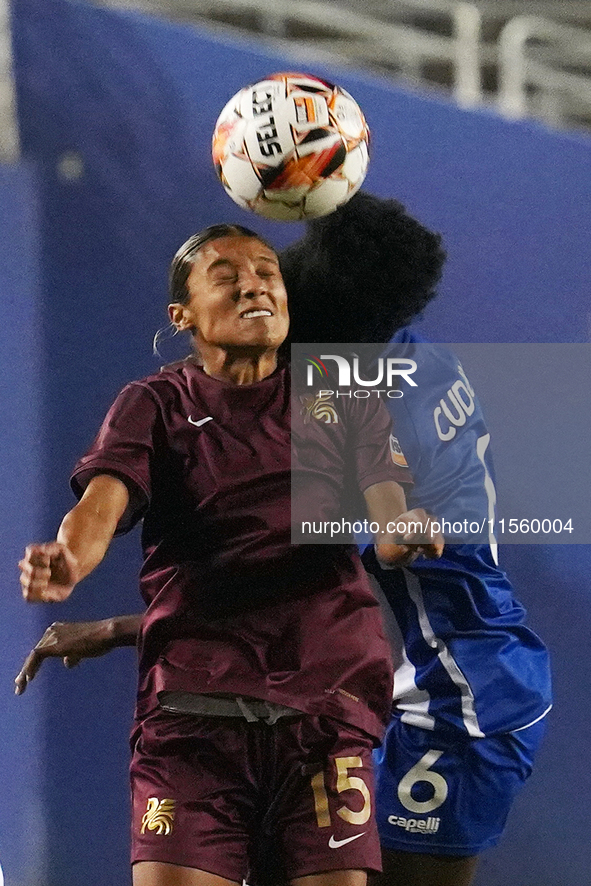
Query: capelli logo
column 387, row 371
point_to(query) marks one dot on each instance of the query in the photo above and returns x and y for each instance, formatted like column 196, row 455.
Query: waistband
column 253, row 710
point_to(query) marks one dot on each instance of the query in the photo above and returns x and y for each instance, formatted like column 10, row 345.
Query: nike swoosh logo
column 335, row 844
column 201, row 421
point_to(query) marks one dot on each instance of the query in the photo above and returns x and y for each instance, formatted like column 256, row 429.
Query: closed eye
column 269, row 269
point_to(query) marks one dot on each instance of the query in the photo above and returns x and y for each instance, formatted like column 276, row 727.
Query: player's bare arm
column 73, row 641
column 386, row 504
column 50, row 571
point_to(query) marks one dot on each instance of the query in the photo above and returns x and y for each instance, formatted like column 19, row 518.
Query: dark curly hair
column 360, row 273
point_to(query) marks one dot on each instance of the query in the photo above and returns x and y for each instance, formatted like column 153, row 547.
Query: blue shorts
column 449, row 795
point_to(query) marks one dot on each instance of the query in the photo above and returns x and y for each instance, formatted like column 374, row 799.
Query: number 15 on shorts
column 354, row 809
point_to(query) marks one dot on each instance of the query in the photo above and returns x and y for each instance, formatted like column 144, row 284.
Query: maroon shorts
column 249, row 800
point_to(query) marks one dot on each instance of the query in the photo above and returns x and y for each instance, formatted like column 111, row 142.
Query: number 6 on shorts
column 421, row 771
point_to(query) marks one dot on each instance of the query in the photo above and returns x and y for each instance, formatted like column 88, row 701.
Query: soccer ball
column 291, row 147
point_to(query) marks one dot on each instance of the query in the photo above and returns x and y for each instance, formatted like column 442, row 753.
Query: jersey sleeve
column 124, row 448
column 378, row 456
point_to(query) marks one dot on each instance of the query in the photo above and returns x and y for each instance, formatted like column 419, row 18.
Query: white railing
column 467, row 22
column 356, row 34
column 9, row 139
column 465, row 48
column 517, row 71
column 543, row 66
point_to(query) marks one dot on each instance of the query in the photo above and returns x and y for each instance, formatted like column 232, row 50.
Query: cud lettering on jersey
column 454, row 408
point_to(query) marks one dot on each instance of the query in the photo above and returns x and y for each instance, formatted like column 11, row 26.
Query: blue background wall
column 22, row 495
column 116, row 115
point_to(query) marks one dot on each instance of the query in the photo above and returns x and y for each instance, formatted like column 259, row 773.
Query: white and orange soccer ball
column 291, row 147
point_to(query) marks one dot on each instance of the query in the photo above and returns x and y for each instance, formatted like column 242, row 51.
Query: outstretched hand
column 49, row 572
column 70, row 641
column 419, row 540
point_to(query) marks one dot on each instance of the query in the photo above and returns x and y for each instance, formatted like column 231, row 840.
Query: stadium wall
column 116, row 113
column 22, row 495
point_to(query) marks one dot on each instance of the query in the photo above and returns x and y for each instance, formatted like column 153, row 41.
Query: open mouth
column 255, row 312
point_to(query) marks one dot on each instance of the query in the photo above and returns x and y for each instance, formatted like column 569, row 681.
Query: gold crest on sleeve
column 159, row 816
column 319, row 406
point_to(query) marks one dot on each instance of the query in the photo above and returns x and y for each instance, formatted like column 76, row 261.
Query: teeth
column 248, row 314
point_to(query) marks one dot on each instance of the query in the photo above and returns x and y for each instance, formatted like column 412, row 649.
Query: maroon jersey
column 340, row 447
column 233, row 606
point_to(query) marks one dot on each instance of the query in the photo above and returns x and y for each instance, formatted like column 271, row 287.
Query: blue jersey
column 469, row 662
